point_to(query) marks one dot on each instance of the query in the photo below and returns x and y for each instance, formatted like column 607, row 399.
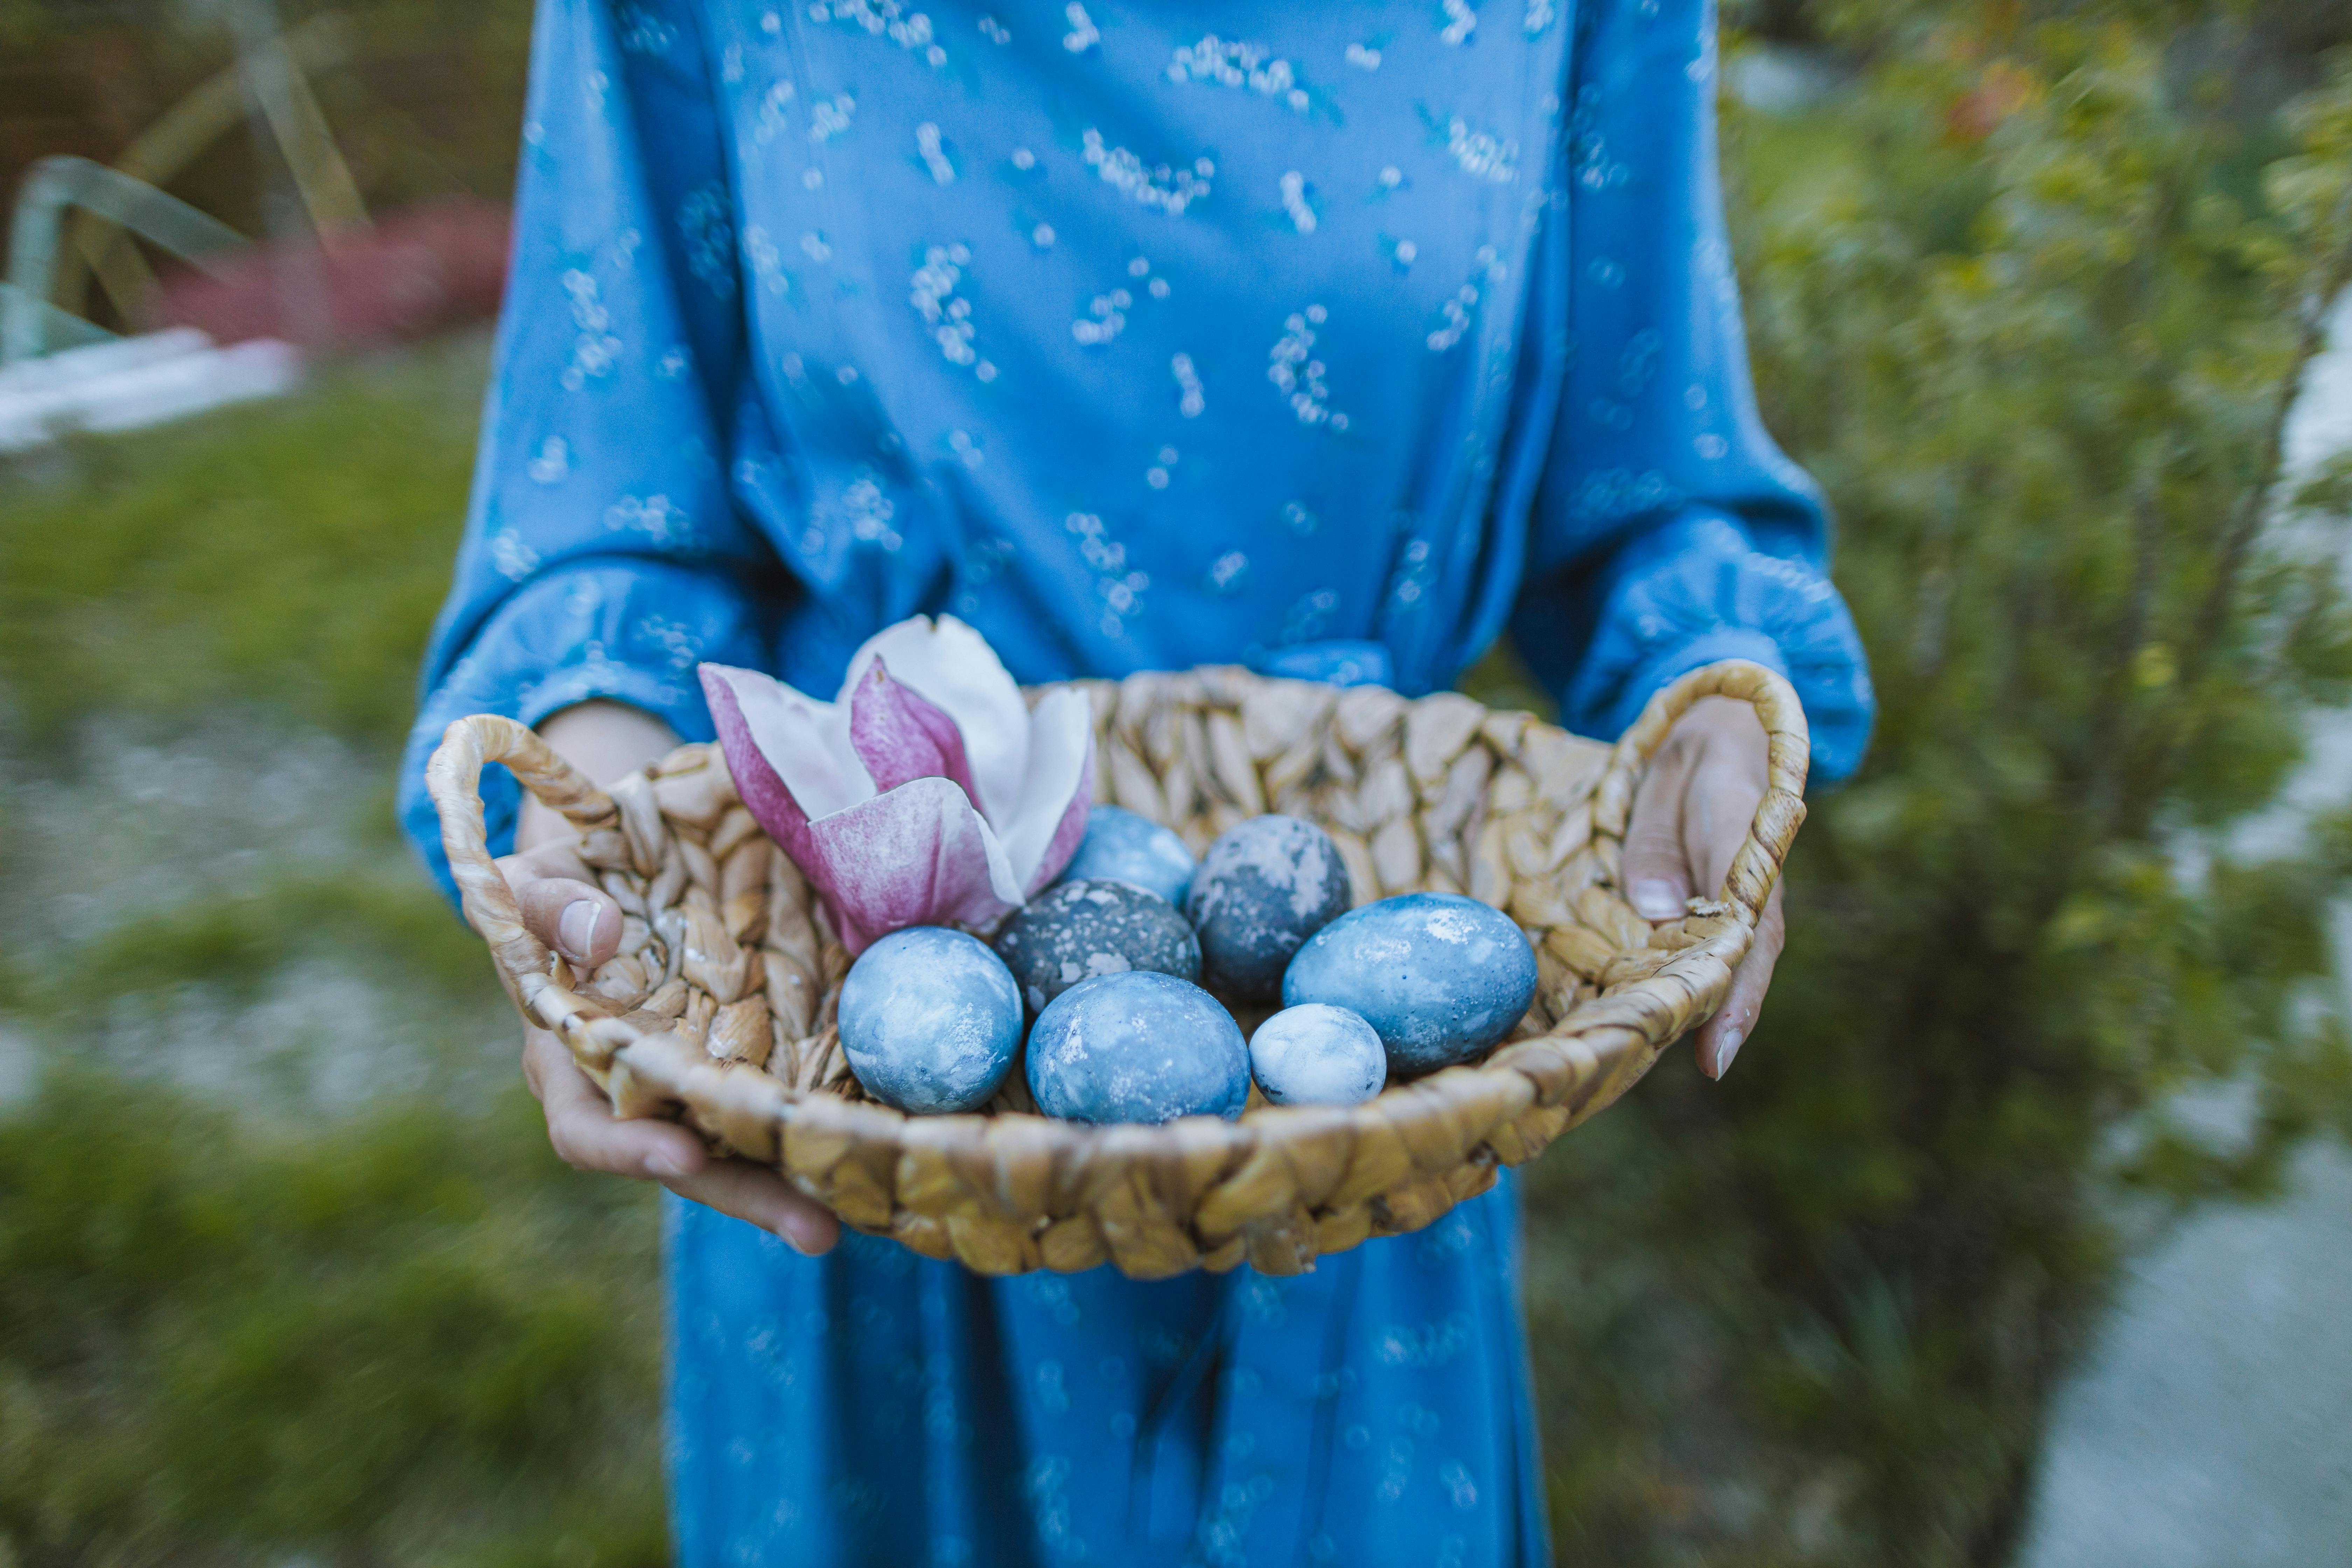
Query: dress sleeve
column 603, row 554
column 1670, row 532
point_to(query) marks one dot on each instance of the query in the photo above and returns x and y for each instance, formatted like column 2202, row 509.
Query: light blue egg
column 1439, row 977
column 1120, row 846
column 1139, row 1046
column 929, row 1019
column 1317, row 1055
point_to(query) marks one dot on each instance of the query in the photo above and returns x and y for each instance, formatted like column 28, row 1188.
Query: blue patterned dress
column 1337, row 339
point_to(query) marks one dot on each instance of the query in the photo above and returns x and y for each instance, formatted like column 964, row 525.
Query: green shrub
column 1813, row 1315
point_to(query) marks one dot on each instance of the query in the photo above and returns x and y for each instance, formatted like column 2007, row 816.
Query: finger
column 759, row 1196
column 577, row 919
column 586, row 1134
column 1656, row 871
column 1720, row 1037
column 1720, row 805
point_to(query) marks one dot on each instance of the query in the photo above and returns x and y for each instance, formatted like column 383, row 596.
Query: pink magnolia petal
column 763, row 791
column 918, row 854
column 953, row 667
column 806, row 743
column 901, row 734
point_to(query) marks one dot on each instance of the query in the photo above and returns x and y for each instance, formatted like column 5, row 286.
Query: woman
column 1338, row 346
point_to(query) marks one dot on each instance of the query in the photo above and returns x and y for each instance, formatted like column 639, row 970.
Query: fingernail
column 1656, row 901
column 790, row 1231
column 1724, row 1049
column 577, row 930
column 662, row 1165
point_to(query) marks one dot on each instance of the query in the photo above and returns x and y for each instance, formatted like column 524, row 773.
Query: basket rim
column 1590, row 1057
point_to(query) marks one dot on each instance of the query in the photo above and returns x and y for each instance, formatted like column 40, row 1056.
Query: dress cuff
column 1708, row 647
column 1700, row 589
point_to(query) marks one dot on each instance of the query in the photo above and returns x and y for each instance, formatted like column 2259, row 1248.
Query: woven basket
column 718, row 1012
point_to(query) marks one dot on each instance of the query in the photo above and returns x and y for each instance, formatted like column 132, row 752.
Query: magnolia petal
column 918, row 854
column 1057, row 790
column 899, row 734
column 764, row 792
column 1068, row 833
column 952, row 665
column 805, row 744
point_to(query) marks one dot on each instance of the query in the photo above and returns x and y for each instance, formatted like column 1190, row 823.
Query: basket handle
column 1757, row 867
column 453, row 779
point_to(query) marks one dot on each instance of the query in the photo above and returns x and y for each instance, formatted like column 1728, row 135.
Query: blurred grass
column 413, row 1337
column 409, row 1335
column 291, row 554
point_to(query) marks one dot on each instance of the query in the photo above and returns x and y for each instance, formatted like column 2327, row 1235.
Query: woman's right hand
column 562, row 907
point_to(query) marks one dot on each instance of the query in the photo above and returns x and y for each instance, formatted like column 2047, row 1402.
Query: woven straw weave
column 719, row 1009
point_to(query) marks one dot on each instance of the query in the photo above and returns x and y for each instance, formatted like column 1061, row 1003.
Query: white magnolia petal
column 952, row 665
column 1000, row 878
column 1061, row 738
column 805, row 741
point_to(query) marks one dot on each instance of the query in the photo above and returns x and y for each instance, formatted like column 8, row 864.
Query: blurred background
column 2025, row 1233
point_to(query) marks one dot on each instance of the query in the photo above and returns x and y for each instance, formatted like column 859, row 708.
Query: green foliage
column 409, row 1337
column 290, row 554
column 2029, row 300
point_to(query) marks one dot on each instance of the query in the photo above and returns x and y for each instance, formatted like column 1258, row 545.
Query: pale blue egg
column 930, row 1020
column 1317, row 1055
column 1440, row 977
column 1121, row 847
column 1139, row 1046
column 1266, row 886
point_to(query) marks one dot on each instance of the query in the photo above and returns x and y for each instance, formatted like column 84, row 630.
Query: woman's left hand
column 1690, row 817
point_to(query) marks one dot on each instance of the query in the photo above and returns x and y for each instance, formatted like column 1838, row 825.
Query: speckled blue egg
column 1264, row 887
column 930, row 1020
column 1120, row 846
column 1317, row 1055
column 1438, row 976
column 1078, row 930
column 1137, row 1048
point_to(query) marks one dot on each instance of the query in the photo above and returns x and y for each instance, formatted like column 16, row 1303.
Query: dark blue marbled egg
column 1078, row 931
column 930, row 1020
column 1317, row 1055
column 1265, row 887
column 1440, row 977
column 1120, row 846
column 1137, row 1048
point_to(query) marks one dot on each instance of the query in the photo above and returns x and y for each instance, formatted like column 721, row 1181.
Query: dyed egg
column 1137, row 1048
column 1317, row 1055
column 1265, row 887
column 1081, row 929
column 930, row 1020
column 1120, row 846
column 1438, row 976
